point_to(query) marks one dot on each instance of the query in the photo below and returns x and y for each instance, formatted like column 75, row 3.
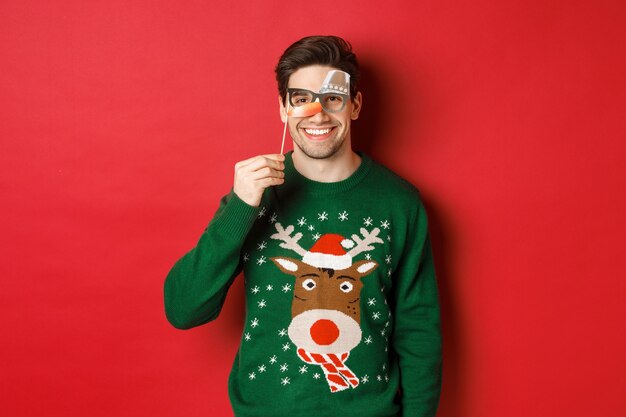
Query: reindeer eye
column 309, row 284
column 345, row 286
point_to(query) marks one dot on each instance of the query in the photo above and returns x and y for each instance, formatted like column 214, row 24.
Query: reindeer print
column 326, row 309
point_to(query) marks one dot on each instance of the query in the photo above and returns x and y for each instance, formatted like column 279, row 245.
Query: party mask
column 332, row 97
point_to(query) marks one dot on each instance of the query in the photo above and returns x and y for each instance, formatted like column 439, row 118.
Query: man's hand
column 254, row 175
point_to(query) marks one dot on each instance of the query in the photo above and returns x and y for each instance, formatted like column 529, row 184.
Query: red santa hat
column 330, row 252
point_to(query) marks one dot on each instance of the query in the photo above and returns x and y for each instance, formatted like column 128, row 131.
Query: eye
column 337, row 99
column 300, row 97
column 309, row 284
column 345, row 286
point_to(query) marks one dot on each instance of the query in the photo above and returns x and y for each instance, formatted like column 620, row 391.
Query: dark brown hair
column 331, row 51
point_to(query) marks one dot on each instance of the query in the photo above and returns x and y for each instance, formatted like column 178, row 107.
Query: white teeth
column 317, row 131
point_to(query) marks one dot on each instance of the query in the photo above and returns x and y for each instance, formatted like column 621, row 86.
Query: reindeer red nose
column 324, row 332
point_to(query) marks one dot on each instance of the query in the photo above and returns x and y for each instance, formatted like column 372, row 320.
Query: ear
column 283, row 111
column 357, row 101
column 289, row 266
column 364, row 267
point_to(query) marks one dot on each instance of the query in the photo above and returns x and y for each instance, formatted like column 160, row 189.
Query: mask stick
column 282, row 146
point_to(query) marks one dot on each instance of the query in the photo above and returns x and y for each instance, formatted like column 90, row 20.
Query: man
column 342, row 311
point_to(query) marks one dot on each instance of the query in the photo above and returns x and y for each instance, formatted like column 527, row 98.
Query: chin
column 317, row 153
column 320, row 150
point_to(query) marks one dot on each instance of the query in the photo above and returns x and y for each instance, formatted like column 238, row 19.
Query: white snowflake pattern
column 255, row 289
column 301, row 221
column 247, row 337
column 254, row 323
column 388, row 259
column 378, row 377
column 382, row 332
column 386, row 324
column 282, row 332
column 303, row 369
column 262, row 303
column 371, row 301
column 273, row 359
column 285, row 381
column 316, row 376
column 388, row 238
column 343, row 216
column 384, row 366
column 262, row 368
column 368, row 256
column 311, row 228
column 261, row 260
column 316, row 236
column 322, row 216
column 389, row 272
column 368, row 340
column 386, row 378
column 273, row 218
column 262, row 212
column 376, row 315
column 269, row 287
column 246, row 257
column 252, row 375
column 384, row 224
column 368, row 221
column 284, row 367
column 286, row 347
column 286, row 288
column 365, row 379
column 262, row 245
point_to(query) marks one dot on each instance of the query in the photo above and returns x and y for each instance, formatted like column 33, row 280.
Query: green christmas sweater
column 342, row 310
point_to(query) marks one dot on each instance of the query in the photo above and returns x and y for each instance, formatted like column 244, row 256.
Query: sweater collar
column 293, row 176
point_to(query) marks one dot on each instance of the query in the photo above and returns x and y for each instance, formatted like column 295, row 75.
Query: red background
column 120, row 124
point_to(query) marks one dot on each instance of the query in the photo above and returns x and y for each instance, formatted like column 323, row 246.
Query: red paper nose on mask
column 305, row 110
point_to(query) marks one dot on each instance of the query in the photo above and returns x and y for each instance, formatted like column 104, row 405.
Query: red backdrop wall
column 120, row 124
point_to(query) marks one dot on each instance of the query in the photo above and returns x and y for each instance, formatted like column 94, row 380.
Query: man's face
column 323, row 134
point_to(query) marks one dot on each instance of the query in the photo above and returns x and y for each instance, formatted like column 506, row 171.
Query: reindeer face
column 326, row 310
column 323, row 288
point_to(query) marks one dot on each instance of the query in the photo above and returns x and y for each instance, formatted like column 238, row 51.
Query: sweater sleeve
column 417, row 333
column 196, row 286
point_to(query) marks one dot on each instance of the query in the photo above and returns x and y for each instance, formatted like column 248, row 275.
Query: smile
column 317, row 134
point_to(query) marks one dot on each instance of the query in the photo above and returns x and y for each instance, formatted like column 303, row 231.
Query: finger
column 269, row 181
column 266, row 172
column 272, row 156
column 262, row 162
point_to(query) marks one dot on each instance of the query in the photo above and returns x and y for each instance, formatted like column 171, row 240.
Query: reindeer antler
column 289, row 242
column 364, row 245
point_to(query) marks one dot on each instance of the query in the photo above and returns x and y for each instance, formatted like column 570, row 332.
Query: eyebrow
column 309, row 275
column 299, row 90
column 345, row 276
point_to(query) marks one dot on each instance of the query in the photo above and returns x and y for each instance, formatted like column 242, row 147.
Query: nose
column 321, row 116
column 324, row 332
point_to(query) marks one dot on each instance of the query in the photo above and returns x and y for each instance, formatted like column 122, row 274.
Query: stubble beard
column 315, row 151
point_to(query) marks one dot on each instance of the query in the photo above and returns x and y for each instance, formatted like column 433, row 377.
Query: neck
column 336, row 168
